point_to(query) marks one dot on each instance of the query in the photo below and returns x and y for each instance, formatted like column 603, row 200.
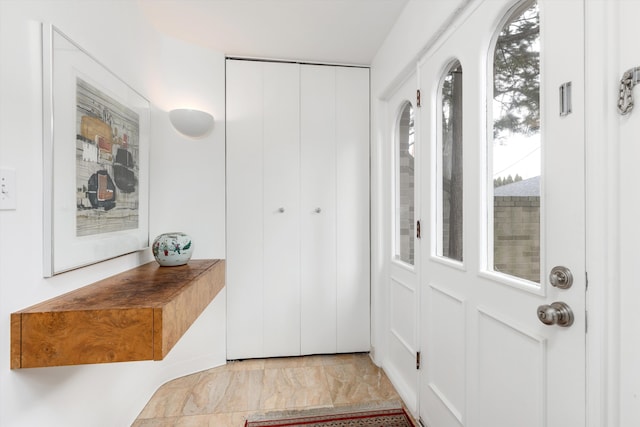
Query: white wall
column 188, row 175
column 187, row 194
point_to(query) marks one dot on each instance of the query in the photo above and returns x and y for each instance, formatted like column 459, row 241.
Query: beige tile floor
column 226, row 395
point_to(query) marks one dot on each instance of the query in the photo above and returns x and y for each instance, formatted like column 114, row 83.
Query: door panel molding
column 501, row 374
column 446, row 327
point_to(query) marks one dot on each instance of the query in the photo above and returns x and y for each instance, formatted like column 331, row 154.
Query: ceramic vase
column 171, row 249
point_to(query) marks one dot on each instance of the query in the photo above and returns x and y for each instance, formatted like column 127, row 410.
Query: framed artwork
column 96, row 159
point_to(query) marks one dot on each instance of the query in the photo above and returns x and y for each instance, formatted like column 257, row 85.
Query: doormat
column 396, row 417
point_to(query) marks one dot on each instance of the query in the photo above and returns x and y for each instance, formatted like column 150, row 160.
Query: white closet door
column 297, row 209
column 318, row 209
column 263, row 230
column 281, row 212
column 352, row 169
column 244, row 210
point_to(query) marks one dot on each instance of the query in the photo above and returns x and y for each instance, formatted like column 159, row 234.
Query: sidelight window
column 449, row 192
column 405, row 186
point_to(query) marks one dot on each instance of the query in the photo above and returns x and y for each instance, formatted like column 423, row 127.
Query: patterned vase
column 171, row 249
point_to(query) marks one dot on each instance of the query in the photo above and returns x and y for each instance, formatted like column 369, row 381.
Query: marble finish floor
column 227, row 395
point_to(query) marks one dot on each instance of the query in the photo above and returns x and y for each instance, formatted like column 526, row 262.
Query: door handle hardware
column 556, row 313
column 561, row 277
column 281, row 210
column 317, row 210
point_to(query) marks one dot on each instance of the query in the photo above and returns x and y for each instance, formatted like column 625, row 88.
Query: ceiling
column 325, row 31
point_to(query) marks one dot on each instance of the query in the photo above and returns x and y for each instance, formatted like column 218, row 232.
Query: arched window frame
column 401, row 253
column 443, row 236
column 517, row 9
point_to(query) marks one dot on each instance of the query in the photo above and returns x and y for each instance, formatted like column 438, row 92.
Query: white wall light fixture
column 191, row 123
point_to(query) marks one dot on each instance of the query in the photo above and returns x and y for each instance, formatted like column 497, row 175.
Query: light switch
column 7, row 189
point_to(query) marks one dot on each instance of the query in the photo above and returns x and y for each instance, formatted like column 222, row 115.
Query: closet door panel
column 318, row 209
column 244, row 210
column 352, row 171
column 281, row 210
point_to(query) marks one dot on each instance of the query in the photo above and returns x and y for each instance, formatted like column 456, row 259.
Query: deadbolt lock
column 561, row 277
column 556, row 313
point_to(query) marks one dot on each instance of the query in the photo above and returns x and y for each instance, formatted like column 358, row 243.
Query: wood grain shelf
column 139, row 314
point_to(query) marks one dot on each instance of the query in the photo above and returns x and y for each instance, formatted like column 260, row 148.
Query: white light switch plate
column 7, row 189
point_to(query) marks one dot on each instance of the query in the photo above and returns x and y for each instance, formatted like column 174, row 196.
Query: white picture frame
column 96, row 141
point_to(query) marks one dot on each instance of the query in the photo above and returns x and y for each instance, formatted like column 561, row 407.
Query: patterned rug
column 396, row 417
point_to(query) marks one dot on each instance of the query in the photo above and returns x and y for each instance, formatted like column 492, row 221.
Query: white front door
column 403, row 298
column 489, row 361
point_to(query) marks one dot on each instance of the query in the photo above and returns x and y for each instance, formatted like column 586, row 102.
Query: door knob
column 556, row 313
column 317, row 210
column 561, row 277
column 281, row 210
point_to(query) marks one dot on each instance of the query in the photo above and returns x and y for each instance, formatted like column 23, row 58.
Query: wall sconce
column 192, row 123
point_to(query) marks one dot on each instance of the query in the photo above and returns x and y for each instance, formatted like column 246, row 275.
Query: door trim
column 602, row 222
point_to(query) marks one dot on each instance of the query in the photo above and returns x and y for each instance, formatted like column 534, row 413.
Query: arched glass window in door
column 405, row 179
column 516, row 146
column 449, row 166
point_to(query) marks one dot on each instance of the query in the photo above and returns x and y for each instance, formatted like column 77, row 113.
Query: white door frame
column 602, row 204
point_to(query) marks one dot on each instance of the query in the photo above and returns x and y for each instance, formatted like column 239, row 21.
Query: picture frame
column 96, row 159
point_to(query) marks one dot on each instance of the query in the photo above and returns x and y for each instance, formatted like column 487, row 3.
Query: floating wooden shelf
column 139, row 314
